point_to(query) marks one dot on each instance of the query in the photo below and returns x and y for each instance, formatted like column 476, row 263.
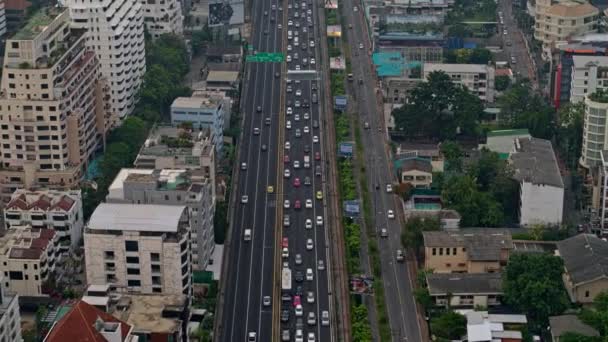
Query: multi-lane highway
column 400, row 303
column 278, row 216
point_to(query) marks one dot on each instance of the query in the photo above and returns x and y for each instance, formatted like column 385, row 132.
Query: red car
column 285, row 243
column 296, row 182
column 297, row 301
column 317, row 156
column 297, row 204
column 286, row 159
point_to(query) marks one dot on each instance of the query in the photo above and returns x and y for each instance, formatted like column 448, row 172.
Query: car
column 288, row 124
column 265, row 12
column 306, row 116
column 298, row 92
column 317, row 155
column 314, row 98
column 288, row 59
column 299, row 277
column 311, row 337
column 267, row 121
column 252, row 336
column 266, row 301
column 286, row 173
column 361, row 46
column 321, row 265
column 298, row 68
column 504, row 32
column 399, row 256
column 286, row 221
column 285, row 319
column 285, row 242
column 264, row 147
column 286, row 204
column 299, row 311
column 312, row 61
column 297, row 204
column 258, row 109
column 355, row 9
column 508, row 43
column 296, row 164
column 299, row 290
column 289, row 48
column 287, row 145
column 318, row 170
column 243, row 166
column 325, row 318
column 280, row 27
column 306, row 130
column 296, row 14
column 389, row 188
column 312, row 44
column 285, row 253
column 298, row 259
column 297, row 300
column 306, row 148
column 350, row 26
column 286, row 159
column 311, row 320
column 390, row 214
column 244, row 199
column 315, row 124
column 298, row 133
column 297, row 24
column 298, row 104
column 304, row 61
column 319, row 195
column 270, row 189
column 308, row 203
column 286, row 297
column 306, row 180
column 289, row 90
column 296, row 56
column 309, row 245
column 319, row 220
column 384, row 233
column 289, row 110
column 265, row 32
column 299, row 335
column 366, row 125
column 296, row 117
column 309, row 275
column 315, row 139
column 290, row 23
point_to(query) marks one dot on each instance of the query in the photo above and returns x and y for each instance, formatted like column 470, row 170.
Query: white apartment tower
column 2, row 19
column 163, row 16
column 115, row 30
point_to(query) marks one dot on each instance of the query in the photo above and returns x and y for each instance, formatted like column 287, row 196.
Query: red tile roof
column 65, row 203
column 37, row 246
column 79, row 325
column 43, row 202
column 18, row 202
column 17, row 4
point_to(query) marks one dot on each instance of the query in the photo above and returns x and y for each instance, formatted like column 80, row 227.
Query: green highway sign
column 265, row 57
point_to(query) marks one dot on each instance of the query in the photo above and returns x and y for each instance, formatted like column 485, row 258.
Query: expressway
column 282, row 124
column 400, row 303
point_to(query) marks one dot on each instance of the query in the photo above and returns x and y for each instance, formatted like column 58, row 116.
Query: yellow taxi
column 270, row 189
column 319, row 195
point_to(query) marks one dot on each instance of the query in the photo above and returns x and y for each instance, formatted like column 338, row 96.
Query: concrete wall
column 540, row 204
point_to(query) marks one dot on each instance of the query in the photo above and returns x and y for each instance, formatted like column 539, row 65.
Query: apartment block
column 595, row 132
column 52, row 115
column 60, row 211
column 466, row 290
column 163, row 16
column 474, row 250
column 477, row 78
column 10, row 318
column 115, row 31
column 557, row 22
column 144, row 248
column 172, row 187
column 3, row 25
column 201, row 112
column 28, row 256
column 589, row 73
column 16, row 11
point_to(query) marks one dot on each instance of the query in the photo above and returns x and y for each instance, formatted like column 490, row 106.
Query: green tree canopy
column 411, row 235
column 522, row 107
column 478, row 209
column 502, row 82
column 569, row 132
column 597, row 315
column 449, row 325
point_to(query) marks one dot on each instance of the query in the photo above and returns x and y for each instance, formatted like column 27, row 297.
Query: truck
column 306, row 161
column 286, row 279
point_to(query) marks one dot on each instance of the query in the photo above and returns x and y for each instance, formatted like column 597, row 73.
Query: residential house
column 503, row 141
column 559, row 325
column 485, row 327
column 430, row 152
column 465, row 289
column 416, row 171
column 471, row 250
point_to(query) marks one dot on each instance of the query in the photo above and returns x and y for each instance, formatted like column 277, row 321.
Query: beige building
column 473, row 250
column 416, row 171
column 585, row 266
column 52, row 116
column 27, row 258
column 465, row 289
column 557, row 22
column 477, row 78
column 141, row 247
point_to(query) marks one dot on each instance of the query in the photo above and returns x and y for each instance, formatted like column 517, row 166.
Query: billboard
column 352, row 208
column 345, row 149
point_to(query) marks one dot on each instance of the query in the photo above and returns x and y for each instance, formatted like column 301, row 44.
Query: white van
column 306, row 162
column 289, row 35
column 247, row 235
column 296, row 41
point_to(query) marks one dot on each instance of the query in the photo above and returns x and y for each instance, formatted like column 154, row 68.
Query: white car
column 285, row 253
column 279, row 26
column 299, row 335
column 309, row 204
column 243, row 166
column 309, row 275
column 298, row 67
column 360, row 46
column 244, row 199
column 310, row 297
column 308, row 224
column 289, row 47
column 286, row 204
column 298, row 92
column 309, row 245
column 288, row 58
column 391, row 214
column 256, row 131
column 315, row 139
column 311, row 337
column 325, row 318
column 311, row 320
column 306, row 116
column 321, row 265
column 319, row 220
column 286, row 173
column 312, row 44
column 299, row 310
column 389, row 188
column 289, row 110
column 288, row 124
column 296, row 117
column 287, row 145
column 296, row 164
column 306, row 129
column 298, row 133
column 290, row 23
column 312, row 61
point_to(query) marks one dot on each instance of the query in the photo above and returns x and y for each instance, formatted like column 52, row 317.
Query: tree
column 522, row 107
column 597, row 315
column 360, row 325
column 532, row 283
column 569, row 133
column 574, row 337
column 449, row 325
column 452, row 155
column 411, row 234
column 480, row 56
column 220, row 222
column 199, row 38
column 478, row 209
column 502, row 82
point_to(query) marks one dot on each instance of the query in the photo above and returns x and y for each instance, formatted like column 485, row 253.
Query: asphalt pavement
column 514, row 44
column 401, row 306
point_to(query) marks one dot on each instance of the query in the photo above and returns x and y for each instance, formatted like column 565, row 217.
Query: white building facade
column 478, row 78
column 594, row 133
column 115, row 31
column 2, row 19
column 144, row 248
column 163, row 16
column 589, row 73
column 202, row 112
column 10, row 318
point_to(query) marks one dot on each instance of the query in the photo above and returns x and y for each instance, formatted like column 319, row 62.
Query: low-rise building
column 142, row 247
column 589, row 73
column 201, row 112
column 560, row 325
column 477, row 78
column 473, row 250
column 485, row 327
column 465, row 289
column 503, row 141
column 161, row 318
column 58, row 210
column 416, row 171
column 222, row 80
column 224, row 54
column 585, row 266
column 10, row 318
column 172, row 187
column 540, row 181
column 430, row 152
column 84, row 322
column 28, row 257
column 397, row 89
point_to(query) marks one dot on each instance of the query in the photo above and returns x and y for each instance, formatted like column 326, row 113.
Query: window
column 133, row 271
column 155, row 256
column 454, row 251
column 131, row 246
column 434, row 251
column 440, row 251
column 155, row 268
column 586, row 293
column 447, row 251
column 109, row 254
column 132, row 260
column 133, row 283
column 15, row 275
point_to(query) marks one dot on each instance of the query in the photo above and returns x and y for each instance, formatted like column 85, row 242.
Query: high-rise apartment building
column 52, row 114
column 163, row 16
column 2, row 18
column 142, row 247
column 115, row 31
column 595, row 131
column 10, row 318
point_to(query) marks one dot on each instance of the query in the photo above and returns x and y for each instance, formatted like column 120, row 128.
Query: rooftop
column 116, row 190
column 145, row 312
column 464, row 283
column 44, row 200
column 572, row 9
column 25, row 242
column 136, row 217
column 388, row 63
column 196, row 102
column 508, row 133
column 481, row 243
column 223, row 76
column 569, row 323
column 503, row 141
column 482, row 326
column 217, row 50
column 585, row 257
column 583, row 61
column 534, row 162
column 37, row 23
column 409, row 164
column 457, row 68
